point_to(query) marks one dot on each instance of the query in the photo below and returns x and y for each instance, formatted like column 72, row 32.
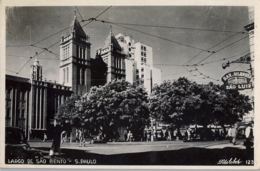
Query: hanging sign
column 237, row 80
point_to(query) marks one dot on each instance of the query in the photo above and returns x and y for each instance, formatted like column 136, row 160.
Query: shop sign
column 237, row 80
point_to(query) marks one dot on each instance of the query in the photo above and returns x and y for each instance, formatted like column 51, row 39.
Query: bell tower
column 75, row 59
column 36, row 70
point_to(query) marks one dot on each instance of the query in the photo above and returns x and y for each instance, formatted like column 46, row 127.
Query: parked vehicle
column 16, row 146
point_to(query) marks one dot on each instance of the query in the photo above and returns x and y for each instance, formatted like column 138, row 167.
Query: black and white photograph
column 129, row 85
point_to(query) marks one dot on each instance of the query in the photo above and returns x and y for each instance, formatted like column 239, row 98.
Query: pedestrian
column 169, row 137
column 81, row 138
column 55, row 147
column 129, row 136
column 248, row 132
column 44, row 137
column 234, row 134
column 229, row 134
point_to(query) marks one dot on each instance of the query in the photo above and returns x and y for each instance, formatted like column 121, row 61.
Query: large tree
column 168, row 99
column 116, row 104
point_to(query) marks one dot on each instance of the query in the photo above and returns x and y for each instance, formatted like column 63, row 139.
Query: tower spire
column 36, row 61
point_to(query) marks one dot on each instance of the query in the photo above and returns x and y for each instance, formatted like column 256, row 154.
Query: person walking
column 129, row 136
column 55, row 147
column 234, row 134
column 229, row 134
column 248, row 132
column 80, row 135
column 44, row 137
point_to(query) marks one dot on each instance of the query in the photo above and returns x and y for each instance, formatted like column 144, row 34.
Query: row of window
column 143, row 48
column 81, row 52
column 143, row 54
column 65, row 52
column 118, row 63
column 143, row 60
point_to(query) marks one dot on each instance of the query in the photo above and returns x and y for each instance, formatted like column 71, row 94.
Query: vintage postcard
column 129, row 85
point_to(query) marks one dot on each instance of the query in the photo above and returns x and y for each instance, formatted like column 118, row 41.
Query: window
column 67, row 74
column 129, row 49
column 142, row 53
column 64, row 75
column 137, row 71
column 144, row 48
column 137, row 77
column 144, row 60
column 129, row 43
column 142, row 69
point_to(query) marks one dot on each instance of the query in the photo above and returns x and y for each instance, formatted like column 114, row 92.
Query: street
column 150, row 153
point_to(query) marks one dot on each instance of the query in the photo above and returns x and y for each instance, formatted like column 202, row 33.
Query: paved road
column 135, row 147
column 151, row 153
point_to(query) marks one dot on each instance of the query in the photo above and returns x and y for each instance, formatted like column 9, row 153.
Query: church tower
column 113, row 56
column 75, row 59
column 36, row 70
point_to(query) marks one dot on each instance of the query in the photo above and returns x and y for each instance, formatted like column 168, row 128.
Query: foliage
column 115, row 104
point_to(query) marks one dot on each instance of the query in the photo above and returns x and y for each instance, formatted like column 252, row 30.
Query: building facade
column 31, row 103
column 139, row 63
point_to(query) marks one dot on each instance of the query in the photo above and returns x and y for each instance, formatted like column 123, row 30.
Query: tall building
column 75, row 59
column 31, row 103
column 139, row 63
column 112, row 55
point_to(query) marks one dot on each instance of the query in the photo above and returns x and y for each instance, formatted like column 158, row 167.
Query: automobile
column 17, row 148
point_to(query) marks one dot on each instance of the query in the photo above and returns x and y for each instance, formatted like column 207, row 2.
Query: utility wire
column 24, row 65
column 159, row 37
column 103, row 12
column 79, row 14
column 47, row 49
column 212, row 47
column 177, row 73
column 221, row 49
column 171, row 27
column 225, row 58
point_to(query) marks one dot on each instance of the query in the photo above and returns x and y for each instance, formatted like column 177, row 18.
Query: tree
column 167, row 102
column 116, row 104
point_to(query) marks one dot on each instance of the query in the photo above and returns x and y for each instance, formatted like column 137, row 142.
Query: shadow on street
column 187, row 156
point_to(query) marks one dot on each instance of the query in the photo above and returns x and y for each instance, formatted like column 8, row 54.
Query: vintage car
column 16, row 146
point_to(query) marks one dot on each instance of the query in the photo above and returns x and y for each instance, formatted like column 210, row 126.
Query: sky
column 181, row 36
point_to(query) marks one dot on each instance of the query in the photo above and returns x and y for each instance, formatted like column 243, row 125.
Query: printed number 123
column 249, row 161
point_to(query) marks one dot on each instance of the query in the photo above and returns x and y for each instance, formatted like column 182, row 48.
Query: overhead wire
column 79, row 14
column 171, row 27
column 222, row 49
column 183, row 44
column 47, row 49
column 212, row 47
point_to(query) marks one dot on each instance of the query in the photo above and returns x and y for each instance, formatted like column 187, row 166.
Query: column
column 36, row 107
column 86, row 76
column 45, row 108
column 80, row 76
column 31, row 118
column 40, row 109
column 15, row 107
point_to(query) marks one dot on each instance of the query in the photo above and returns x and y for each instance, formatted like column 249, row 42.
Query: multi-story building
column 31, row 103
column 139, row 63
